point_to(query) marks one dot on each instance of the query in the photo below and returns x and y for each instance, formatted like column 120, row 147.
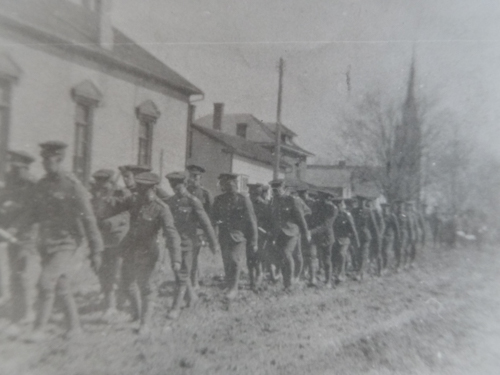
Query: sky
column 230, row 49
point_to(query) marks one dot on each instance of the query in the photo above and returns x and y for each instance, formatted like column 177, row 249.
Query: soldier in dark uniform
column 256, row 261
column 141, row 250
column 391, row 233
column 61, row 207
column 365, row 225
column 113, row 230
column 288, row 223
column 196, row 189
column 235, row 219
column 344, row 230
column 129, row 172
column 24, row 260
column 189, row 215
column 320, row 224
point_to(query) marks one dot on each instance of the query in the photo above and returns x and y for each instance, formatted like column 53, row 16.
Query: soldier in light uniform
column 113, row 230
column 61, row 206
column 141, row 250
column 189, row 215
column 288, row 224
column 256, row 261
column 24, row 260
column 391, row 235
column 196, row 189
column 345, row 232
column 235, row 219
column 323, row 216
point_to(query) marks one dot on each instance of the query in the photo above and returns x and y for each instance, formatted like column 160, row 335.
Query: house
column 248, row 127
column 347, row 181
column 66, row 73
column 219, row 152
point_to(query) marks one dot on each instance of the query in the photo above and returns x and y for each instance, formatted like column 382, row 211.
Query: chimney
column 103, row 9
column 218, row 113
column 342, row 164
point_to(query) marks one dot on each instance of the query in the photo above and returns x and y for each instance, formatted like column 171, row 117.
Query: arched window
column 147, row 113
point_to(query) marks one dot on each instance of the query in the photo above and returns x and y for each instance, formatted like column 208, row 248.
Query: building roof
column 75, row 28
column 240, row 146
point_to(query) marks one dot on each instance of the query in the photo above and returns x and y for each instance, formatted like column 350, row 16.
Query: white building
column 67, row 74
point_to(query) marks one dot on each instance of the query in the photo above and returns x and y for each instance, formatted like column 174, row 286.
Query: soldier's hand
column 96, row 262
column 176, row 267
column 255, row 248
column 216, row 249
column 308, row 236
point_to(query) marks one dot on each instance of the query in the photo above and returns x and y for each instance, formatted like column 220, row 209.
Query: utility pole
column 277, row 149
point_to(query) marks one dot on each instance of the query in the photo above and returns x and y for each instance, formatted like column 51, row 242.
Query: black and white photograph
column 249, row 187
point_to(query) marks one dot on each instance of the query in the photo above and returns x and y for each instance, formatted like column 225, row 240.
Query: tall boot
column 192, row 296
column 147, row 315
column 233, row 285
column 46, row 306
column 176, row 306
column 135, row 301
column 74, row 326
column 312, row 272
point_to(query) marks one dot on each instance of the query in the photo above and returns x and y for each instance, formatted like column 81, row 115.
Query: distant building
column 248, row 127
column 66, row 73
column 346, row 181
column 219, row 152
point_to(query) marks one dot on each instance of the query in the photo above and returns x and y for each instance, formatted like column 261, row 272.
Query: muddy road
column 443, row 317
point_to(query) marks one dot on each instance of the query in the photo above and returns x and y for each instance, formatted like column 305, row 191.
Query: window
column 83, row 139
column 241, row 130
column 5, row 95
column 86, row 97
column 283, row 138
column 147, row 114
column 145, row 142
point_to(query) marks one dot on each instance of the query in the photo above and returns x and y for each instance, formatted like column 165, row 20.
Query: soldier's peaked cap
column 277, row 183
column 103, row 174
column 228, row 176
column 195, row 169
column 21, row 158
column 134, row 168
column 51, row 148
column 177, row 177
column 147, row 178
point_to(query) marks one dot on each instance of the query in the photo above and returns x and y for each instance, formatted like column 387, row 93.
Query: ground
column 440, row 318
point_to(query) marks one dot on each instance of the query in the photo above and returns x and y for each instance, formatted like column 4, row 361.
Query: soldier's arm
column 252, row 221
column 204, row 222
column 209, row 202
column 171, row 235
column 84, row 211
column 353, row 229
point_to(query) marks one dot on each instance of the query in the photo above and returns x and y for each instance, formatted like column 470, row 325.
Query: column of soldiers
column 134, row 232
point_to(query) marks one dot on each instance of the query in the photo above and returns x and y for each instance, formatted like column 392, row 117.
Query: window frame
column 147, row 115
column 244, row 126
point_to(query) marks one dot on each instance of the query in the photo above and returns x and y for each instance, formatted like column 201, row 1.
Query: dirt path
column 442, row 317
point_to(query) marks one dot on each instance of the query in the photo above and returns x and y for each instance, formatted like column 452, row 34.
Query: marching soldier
column 196, row 189
column 235, row 219
column 61, row 207
column 24, row 261
column 129, row 172
column 365, row 224
column 113, row 230
column 288, row 223
column 307, row 256
column 189, row 215
column 391, row 235
column 255, row 261
column 321, row 227
column 141, row 250
column 344, row 230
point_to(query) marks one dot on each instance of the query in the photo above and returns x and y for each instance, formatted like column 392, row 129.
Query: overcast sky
column 230, row 49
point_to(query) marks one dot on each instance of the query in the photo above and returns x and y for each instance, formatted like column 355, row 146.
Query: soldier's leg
column 183, row 284
column 195, row 272
column 312, row 263
column 17, row 263
column 107, row 279
column 4, row 273
column 226, row 260
column 326, row 256
column 287, row 245
column 130, row 287
column 251, row 265
column 145, row 283
column 29, row 280
column 363, row 258
column 72, row 317
column 298, row 259
column 377, row 243
column 237, row 254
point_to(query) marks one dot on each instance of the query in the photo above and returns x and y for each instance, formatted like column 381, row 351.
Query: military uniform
column 391, row 235
column 189, row 215
column 415, row 235
column 113, row 230
column 321, row 226
column 24, row 260
column 61, row 206
column 141, row 247
column 234, row 216
column 306, row 252
column 344, row 230
column 377, row 227
column 288, row 223
column 405, row 231
column 365, row 225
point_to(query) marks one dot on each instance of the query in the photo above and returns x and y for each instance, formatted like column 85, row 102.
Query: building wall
column 209, row 154
column 42, row 109
column 256, row 172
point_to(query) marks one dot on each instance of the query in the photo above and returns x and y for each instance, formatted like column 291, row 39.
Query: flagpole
column 277, row 150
